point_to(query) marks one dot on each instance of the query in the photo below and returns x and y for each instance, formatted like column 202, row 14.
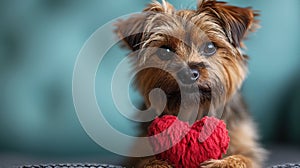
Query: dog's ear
column 237, row 22
column 163, row 7
column 132, row 30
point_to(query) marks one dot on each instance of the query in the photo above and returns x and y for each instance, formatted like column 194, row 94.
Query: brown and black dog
column 200, row 49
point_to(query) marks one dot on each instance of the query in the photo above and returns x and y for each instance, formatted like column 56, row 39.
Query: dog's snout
column 188, row 76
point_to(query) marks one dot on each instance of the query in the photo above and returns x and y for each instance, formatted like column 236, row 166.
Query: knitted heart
column 183, row 145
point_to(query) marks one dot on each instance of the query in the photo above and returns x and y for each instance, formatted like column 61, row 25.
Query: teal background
column 39, row 43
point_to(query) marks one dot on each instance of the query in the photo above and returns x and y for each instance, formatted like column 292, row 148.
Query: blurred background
column 39, row 44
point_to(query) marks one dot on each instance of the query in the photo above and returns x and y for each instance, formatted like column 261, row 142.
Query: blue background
column 39, row 43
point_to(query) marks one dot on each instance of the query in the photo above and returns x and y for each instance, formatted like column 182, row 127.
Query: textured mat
column 87, row 165
column 72, row 165
column 291, row 165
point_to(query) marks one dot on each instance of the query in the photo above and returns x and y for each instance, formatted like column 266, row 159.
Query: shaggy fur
column 172, row 41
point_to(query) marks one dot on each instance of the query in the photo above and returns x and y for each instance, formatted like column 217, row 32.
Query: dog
column 196, row 58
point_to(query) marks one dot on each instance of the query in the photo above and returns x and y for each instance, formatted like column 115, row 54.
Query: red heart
column 183, row 145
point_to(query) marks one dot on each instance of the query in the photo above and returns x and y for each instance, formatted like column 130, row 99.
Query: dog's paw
column 235, row 161
column 157, row 164
column 213, row 164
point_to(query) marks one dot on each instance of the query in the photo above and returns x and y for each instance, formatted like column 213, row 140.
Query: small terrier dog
column 196, row 58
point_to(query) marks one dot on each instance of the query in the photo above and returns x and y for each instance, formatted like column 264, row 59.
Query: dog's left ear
column 237, row 22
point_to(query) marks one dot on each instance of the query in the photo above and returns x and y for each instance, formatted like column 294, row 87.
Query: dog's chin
column 192, row 92
column 187, row 101
column 187, row 96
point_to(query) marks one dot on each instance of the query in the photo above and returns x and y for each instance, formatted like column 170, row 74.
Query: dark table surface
column 279, row 154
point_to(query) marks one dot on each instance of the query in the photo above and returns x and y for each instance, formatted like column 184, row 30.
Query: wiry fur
column 221, row 74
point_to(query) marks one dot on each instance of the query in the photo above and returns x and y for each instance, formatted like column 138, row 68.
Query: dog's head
column 195, row 54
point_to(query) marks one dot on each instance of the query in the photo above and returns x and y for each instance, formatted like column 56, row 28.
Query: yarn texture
column 188, row 145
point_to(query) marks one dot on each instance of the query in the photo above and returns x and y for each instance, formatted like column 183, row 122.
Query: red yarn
column 205, row 139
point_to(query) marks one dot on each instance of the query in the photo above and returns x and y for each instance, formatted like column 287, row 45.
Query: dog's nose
column 188, row 76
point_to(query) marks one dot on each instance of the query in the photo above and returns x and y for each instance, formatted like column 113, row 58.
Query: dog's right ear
column 131, row 31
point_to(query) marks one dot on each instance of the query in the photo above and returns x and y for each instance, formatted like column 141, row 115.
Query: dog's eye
column 165, row 53
column 208, row 49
